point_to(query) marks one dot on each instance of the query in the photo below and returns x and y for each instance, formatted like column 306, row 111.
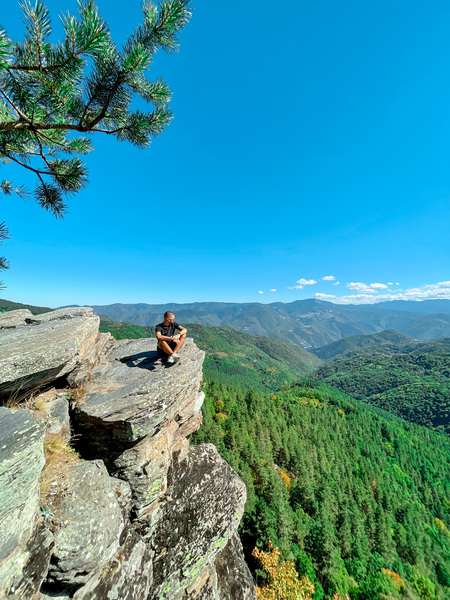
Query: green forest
column 357, row 498
column 413, row 386
column 360, row 502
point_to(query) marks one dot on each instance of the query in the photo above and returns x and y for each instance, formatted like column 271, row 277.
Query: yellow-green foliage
column 441, row 524
column 395, row 578
column 283, row 582
column 286, row 479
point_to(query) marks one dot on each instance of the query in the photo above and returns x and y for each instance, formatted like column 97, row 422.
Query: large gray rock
column 51, row 348
column 206, row 503
column 60, row 315
column 226, row 579
column 135, row 395
column 21, row 463
column 160, row 524
column 90, row 523
column 234, row 579
column 34, row 562
column 136, row 413
column 14, row 318
column 127, row 576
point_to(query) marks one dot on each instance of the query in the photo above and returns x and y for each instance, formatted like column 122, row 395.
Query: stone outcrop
column 140, row 514
column 43, row 348
column 23, row 563
column 206, row 504
column 96, row 532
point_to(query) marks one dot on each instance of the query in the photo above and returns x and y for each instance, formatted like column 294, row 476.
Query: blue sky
column 311, row 140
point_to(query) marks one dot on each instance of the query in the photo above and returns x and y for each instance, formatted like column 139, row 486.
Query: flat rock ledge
column 35, row 350
column 138, row 514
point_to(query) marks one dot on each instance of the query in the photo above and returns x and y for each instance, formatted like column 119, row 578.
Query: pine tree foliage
column 53, row 95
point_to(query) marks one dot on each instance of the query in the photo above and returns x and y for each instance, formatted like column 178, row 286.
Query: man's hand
column 176, row 338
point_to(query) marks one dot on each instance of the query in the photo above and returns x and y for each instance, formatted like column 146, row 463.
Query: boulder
column 60, row 315
column 234, row 579
column 89, row 524
column 227, row 578
column 127, row 576
column 53, row 407
column 205, row 504
column 48, row 349
column 14, row 318
column 21, row 463
column 135, row 396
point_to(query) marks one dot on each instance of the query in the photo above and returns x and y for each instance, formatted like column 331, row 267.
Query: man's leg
column 180, row 343
column 165, row 347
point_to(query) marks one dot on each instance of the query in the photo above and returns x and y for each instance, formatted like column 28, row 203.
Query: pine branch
column 83, row 85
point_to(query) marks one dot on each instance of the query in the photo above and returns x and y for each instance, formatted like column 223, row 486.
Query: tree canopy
column 53, row 95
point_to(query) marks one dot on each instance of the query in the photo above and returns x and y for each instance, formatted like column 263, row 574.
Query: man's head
column 169, row 317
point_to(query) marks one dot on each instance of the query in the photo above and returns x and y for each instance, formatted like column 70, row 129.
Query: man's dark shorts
column 163, row 354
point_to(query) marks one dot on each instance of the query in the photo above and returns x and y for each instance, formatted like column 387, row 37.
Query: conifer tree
column 54, row 95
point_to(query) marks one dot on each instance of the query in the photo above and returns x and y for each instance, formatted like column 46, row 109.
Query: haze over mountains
column 307, row 323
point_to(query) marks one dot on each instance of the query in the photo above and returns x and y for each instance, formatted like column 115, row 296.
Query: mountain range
column 307, row 323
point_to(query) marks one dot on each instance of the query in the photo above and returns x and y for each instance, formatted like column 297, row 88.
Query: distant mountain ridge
column 307, row 323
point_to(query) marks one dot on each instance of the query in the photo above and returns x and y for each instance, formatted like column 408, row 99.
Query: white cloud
column 295, row 287
column 389, row 283
column 273, row 290
column 329, row 278
column 378, row 286
column 306, row 282
column 434, row 291
column 397, row 283
column 365, row 288
column 337, row 283
column 323, row 296
column 260, row 292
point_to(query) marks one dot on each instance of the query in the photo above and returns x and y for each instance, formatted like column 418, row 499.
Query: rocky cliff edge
column 101, row 495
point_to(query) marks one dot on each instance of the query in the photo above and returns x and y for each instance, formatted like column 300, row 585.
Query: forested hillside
column 414, row 386
column 360, row 502
column 35, row 310
column 385, row 342
column 235, row 358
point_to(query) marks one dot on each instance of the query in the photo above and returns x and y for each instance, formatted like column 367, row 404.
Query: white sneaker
column 176, row 357
column 170, row 359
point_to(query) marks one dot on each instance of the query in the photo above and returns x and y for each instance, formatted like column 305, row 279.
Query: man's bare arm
column 183, row 331
column 164, row 338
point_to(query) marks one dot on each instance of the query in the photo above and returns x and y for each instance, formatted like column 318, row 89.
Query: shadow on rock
column 146, row 360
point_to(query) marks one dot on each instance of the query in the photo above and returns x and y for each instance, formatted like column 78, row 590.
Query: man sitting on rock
column 170, row 343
